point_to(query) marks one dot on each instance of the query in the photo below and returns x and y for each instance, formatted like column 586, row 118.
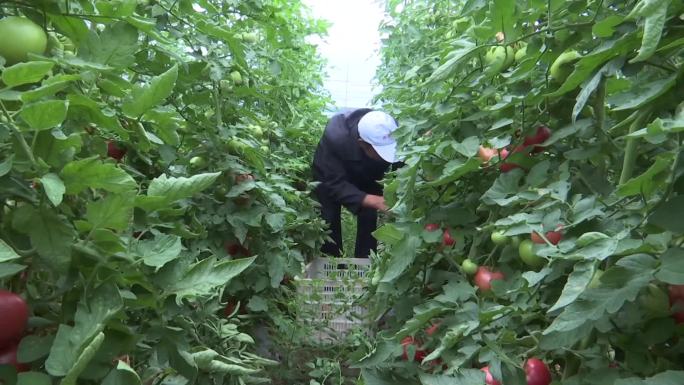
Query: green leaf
column 91, row 316
column 641, row 93
column 650, row 181
column 54, row 188
column 7, row 253
column 455, row 169
column 668, row 215
column 653, row 29
column 116, row 8
column 50, row 234
column 587, row 64
column 258, row 304
column 50, row 87
column 97, row 113
column 33, row 347
column 587, row 89
column 83, row 360
column 606, row 27
column 206, row 276
column 33, row 378
column 456, row 57
column 402, row 256
column 6, row 166
column 646, row 8
column 45, row 114
column 111, row 212
column 619, row 284
column 672, row 266
column 144, row 98
column 388, row 234
column 462, row 377
column 576, row 284
column 8, row 269
column 116, row 46
column 276, row 221
column 24, row 73
column 173, row 189
column 669, row 377
column 93, row 173
column 122, row 375
column 159, row 251
column 599, row 249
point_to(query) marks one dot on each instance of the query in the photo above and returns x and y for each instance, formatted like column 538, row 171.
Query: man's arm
column 334, row 179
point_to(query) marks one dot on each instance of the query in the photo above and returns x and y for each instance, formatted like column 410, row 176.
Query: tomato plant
column 583, row 127
column 126, row 127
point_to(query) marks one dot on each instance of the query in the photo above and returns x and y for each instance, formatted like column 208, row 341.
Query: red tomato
column 506, row 167
column 537, row 373
column 13, row 317
column 543, row 133
column 489, row 379
column 114, row 151
column 554, row 237
column 447, row 239
column 676, row 293
column 484, row 278
column 504, row 153
column 8, row 356
column 419, row 355
column 432, row 227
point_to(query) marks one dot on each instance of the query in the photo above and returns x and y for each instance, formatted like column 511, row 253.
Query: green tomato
column 562, row 67
column 469, row 267
column 521, row 53
column 226, row 86
column 198, row 162
column 499, row 58
column 257, row 131
column 20, row 36
column 499, row 238
column 528, row 256
column 249, row 38
column 655, row 301
column 264, row 148
column 235, row 146
column 236, row 77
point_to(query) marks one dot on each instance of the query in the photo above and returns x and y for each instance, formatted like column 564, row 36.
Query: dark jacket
column 346, row 173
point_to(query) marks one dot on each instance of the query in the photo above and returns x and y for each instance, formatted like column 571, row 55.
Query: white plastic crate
column 328, row 296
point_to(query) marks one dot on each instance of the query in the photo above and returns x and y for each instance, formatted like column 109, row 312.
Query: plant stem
column 631, row 147
column 20, row 138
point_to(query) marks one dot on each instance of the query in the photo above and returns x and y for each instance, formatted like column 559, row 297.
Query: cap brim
column 387, row 152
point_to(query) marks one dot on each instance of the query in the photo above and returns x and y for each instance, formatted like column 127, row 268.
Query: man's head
column 375, row 136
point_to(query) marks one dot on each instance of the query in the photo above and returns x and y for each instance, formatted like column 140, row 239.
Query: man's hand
column 375, row 202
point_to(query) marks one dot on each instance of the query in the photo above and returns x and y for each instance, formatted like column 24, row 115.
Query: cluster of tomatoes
column 536, row 371
column 14, row 315
column 531, row 145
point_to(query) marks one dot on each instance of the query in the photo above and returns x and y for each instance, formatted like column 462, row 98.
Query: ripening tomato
column 432, row 227
column 489, row 379
column 536, row 372
column 484, row 278
column 486, row 153
column 14, row 315
column 432, row 329
column 419, row 354
column 553, row 236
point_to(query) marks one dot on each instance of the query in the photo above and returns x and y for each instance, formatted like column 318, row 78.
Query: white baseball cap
column 375, row 128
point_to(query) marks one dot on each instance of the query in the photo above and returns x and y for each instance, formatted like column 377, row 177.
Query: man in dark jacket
column 356, row 150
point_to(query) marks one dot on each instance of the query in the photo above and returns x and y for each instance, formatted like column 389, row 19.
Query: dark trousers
column 366, row 222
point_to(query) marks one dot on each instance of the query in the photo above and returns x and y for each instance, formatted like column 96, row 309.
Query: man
column 356, row 150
